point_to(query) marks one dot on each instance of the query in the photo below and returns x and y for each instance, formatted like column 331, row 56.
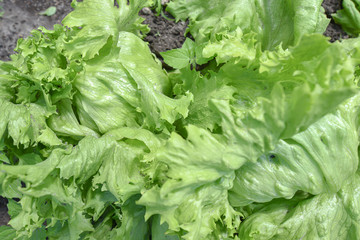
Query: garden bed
column 21, row 16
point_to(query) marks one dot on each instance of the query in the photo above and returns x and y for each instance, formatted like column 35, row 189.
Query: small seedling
column 49, row 12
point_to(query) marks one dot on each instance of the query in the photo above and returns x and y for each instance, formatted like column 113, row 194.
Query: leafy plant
column 49, row 11
column 349, row 17
column 99, row 142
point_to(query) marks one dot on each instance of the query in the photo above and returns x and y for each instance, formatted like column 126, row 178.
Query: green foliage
column 49, row 12
column 98, row 141
column 349, row 17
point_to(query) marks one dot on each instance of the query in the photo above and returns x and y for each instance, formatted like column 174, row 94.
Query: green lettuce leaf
column 100, row 20
column 274, row 22
column 134, row 225
column 98, row 141
column 181, row 57
column 279, row 99
column 203, row 88
column 158, row 230
column 65, row 122
column 236, row 45
column 193, row 199
column 327, row 215
column 283, row 97
column 318, row 160
column 57, row 190
column 7, row 233
column 33, row 82
column 127, row 88
column 26, row 124
column 349, row 17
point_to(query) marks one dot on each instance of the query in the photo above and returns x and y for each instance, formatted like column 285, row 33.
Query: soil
column 164, row 34
column 333, row 31
column 4, row 217
column 21, row 16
